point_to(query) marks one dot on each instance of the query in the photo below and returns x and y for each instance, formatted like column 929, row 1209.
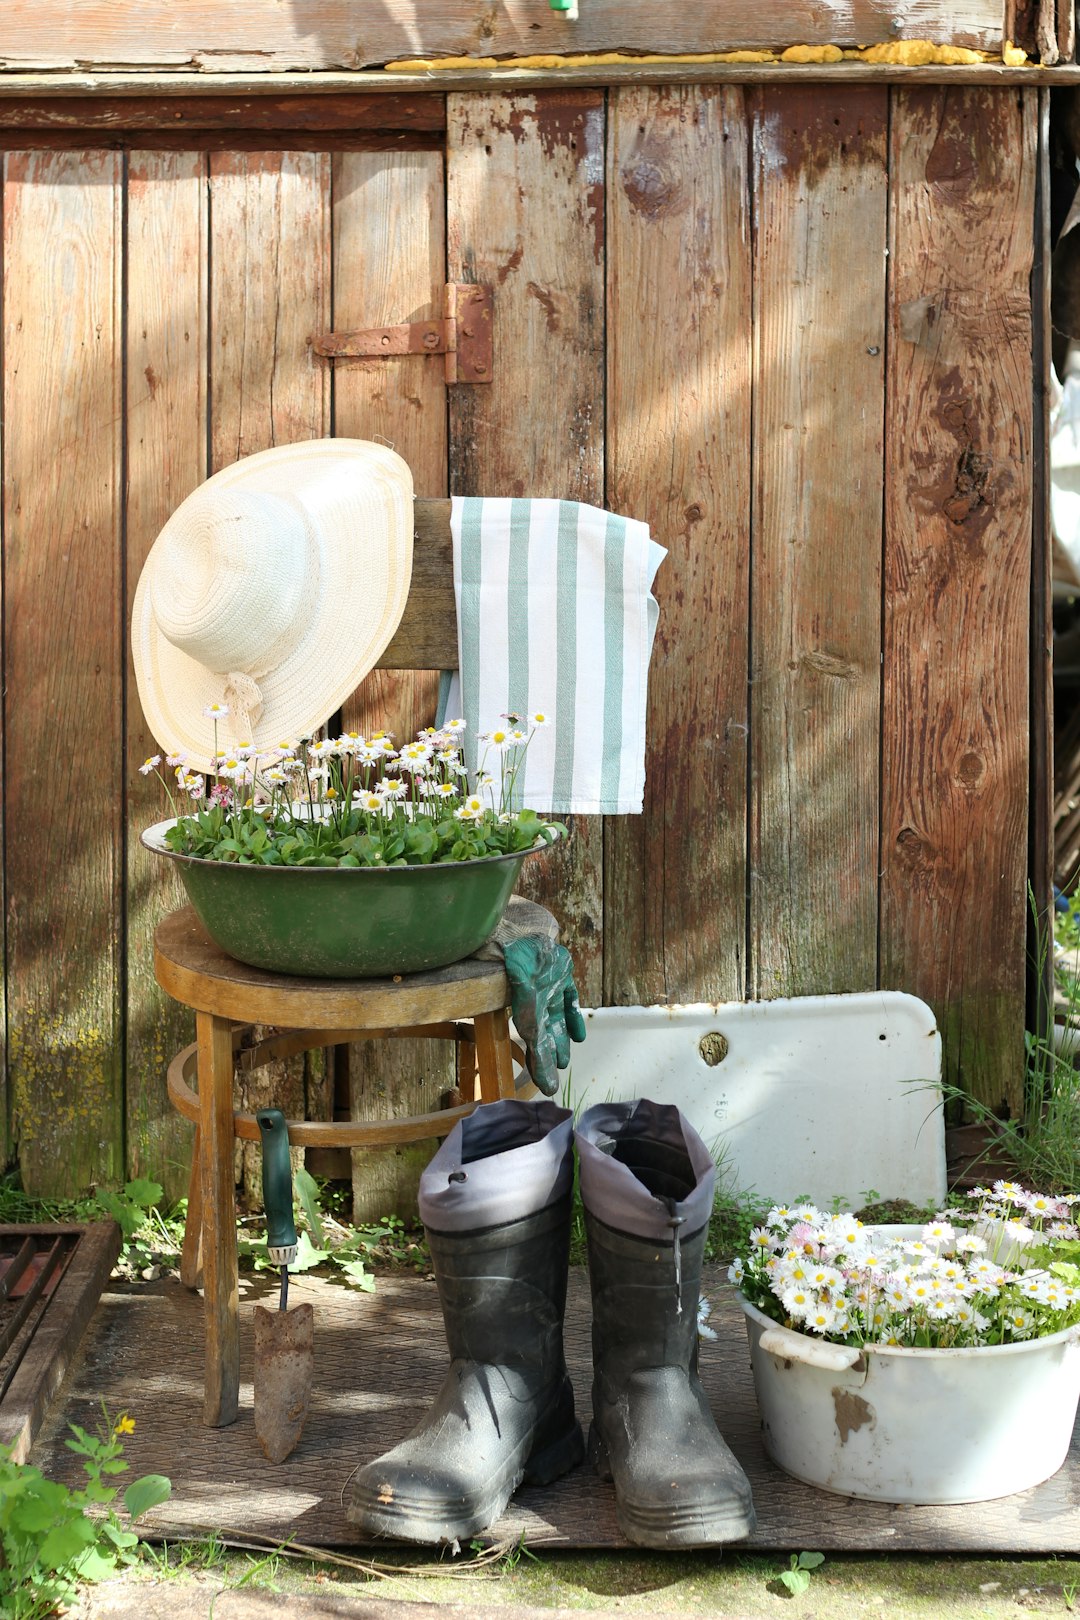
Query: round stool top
column 195, row 971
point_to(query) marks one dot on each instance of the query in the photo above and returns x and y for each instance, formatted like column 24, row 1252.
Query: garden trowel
column 284, row 1339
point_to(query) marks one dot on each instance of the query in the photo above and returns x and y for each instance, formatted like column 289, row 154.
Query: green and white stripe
column 555, row 614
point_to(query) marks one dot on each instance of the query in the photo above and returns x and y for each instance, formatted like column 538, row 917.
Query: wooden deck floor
column 379, row 1358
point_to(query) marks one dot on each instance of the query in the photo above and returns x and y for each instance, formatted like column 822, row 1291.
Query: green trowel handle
column 276, row 1179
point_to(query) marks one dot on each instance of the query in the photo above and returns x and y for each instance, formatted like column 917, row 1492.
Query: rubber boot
column 495, row 1202
column 647, row 1183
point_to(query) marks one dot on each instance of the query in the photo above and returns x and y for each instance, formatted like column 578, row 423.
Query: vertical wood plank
column 389, row 267
column 270, row 290
column 820, row 195
column 957, row 572
column 270, row 222
column 678, row 413
column 165, row 414
column 525, row 214
column 64, row 662
column 218, row 1212
column 6, row 1141
column 1040, row 961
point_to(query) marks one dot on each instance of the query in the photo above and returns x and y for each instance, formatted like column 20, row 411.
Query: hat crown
column 271, row 591
column 228, row 577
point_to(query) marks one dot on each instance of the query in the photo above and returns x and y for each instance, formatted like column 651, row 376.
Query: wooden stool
column 228, row 996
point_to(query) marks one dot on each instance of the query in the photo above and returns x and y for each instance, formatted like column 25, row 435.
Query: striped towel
column 555, row 615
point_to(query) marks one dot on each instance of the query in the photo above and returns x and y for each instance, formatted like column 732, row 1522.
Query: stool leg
column 493, row 1057
column 466, row 1070
column 191, row 1252
column 220, row 1282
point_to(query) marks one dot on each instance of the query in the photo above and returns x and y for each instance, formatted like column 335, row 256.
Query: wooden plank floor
column 379, row 1357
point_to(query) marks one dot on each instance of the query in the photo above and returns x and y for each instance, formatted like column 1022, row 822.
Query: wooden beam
column 203, row 140
column 210, row 36
column 341, row 112
column 57, row 86
column 426, row 638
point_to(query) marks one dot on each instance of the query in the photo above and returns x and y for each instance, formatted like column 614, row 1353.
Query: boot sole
column 697, row 1524
column 415, row 1521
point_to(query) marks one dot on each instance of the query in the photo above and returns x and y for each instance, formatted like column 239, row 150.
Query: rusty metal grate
column 51, row 1278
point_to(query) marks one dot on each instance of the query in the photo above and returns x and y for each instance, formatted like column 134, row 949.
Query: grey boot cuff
column 507, row 1160
column 611, row 1137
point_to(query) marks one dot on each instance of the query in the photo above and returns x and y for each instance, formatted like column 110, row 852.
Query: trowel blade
column 284, row 1363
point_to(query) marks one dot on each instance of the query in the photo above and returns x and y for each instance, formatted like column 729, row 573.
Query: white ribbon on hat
column 245, row 705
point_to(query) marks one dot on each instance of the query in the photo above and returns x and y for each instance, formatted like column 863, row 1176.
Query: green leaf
column 796, row 1581
column 358, row 1275
column 144, row 1193
column 96, row 1564
column 128, row 1216
column 66, row 1541
column 811, row 1560
column 307, row 1255
column 145, row 1493
column 35, row 1512
column 119, row 1538
column 308, row 1193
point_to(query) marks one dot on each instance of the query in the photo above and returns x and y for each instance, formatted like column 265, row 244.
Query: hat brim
column 359, row 495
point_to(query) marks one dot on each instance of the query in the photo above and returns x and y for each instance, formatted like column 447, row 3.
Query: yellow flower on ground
column 124, row 1425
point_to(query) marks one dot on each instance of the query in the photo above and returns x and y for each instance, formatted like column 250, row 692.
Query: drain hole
column 713, row 1048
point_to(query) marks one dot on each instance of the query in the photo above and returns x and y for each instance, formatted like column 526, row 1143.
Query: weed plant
column 53, row 1538
column 1044, row 1140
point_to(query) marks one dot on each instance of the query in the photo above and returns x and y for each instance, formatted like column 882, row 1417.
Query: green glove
column 544, row 1002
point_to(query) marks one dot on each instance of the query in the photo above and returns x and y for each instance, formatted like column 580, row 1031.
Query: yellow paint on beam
column 899, row 53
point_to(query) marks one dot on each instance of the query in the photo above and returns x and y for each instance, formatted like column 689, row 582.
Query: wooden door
column 159, row 304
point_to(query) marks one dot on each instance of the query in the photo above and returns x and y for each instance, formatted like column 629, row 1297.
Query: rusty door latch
column 462, row 336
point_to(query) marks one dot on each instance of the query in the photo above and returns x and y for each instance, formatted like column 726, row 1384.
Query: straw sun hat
column 272, row 590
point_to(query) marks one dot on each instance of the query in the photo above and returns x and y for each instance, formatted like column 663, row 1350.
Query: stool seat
column 465, row 1002
column 192, row 969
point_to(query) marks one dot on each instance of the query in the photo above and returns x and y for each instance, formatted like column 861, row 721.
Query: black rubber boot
column 505, row 1413
column 647, row 1184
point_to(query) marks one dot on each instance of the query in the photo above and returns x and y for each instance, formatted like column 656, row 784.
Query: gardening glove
column 544, row 1002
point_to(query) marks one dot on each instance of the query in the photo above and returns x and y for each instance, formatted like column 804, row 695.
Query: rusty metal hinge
column 463, row 336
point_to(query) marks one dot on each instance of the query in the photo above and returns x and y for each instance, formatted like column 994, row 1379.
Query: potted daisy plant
column 927, row 1365
column 349, row 856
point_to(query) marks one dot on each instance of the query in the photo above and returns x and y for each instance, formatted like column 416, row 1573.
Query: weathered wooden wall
column 790, row 327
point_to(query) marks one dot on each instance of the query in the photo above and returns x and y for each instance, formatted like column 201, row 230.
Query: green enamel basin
column 346, row 922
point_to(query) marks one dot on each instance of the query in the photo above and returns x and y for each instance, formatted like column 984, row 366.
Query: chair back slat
column 426, row 638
